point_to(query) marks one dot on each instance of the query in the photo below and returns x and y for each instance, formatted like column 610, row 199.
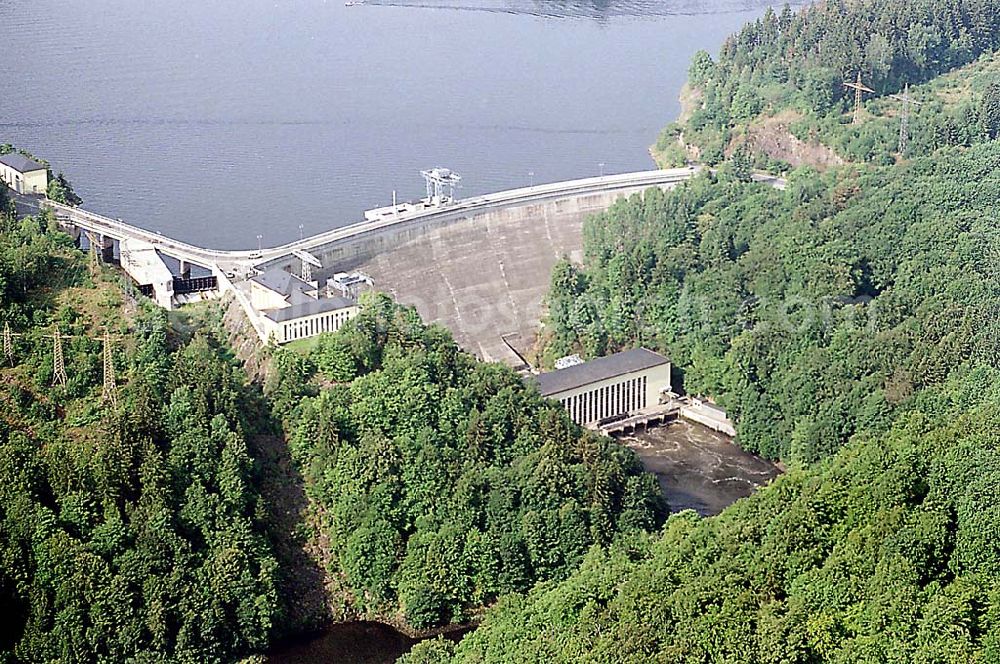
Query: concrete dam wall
column 484, row 277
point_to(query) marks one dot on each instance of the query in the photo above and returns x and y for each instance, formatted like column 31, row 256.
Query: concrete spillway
column 487, row 276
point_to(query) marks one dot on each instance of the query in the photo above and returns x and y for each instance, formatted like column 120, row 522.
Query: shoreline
column 688, row 97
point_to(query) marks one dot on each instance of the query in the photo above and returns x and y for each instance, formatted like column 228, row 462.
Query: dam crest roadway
column 480, row 266
column 241, row 262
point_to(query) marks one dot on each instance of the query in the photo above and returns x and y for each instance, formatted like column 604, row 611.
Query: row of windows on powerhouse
column 307, row 328
column 624, row 397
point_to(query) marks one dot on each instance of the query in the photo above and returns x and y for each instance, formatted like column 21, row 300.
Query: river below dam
column 699, row 469
column 215, row 122
column 349, row 643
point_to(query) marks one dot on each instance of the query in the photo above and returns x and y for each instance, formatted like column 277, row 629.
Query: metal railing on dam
column 241, row 261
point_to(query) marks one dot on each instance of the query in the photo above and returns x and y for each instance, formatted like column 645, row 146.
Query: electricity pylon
column 110, row 394
column 859, row 88
column 58, row 364
column 904, row 122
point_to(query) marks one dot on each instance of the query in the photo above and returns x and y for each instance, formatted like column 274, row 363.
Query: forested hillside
column 141, row 530
column 809, row 313
column 786, row 72
column 851, row 323
column 443, row 483
column 128, row 532
column 885, row 553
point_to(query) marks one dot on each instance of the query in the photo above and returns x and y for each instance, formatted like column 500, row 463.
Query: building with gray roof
column 292, row 308
column 20, row 163
column 23, row 175
column 607, row 387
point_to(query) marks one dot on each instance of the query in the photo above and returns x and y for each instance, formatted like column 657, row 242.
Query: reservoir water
column 215, row 122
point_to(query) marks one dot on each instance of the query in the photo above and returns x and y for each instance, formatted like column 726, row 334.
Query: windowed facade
column 608, row 387
column 310, row 326
column 619, row 397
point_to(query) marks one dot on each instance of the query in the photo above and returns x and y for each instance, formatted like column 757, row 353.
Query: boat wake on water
column 596, row 9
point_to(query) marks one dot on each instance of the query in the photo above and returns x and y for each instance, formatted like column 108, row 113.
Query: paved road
column 241, row 261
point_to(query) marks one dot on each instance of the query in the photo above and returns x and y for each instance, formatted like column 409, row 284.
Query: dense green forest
column 129, row 532
column 793, row 66
column 142, row 530
column 885, row 553
column 850, row 321
column 809, row 312
column 443, row 483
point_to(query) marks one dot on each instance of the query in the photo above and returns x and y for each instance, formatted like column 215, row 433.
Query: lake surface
column 698, row 468
column 214, row 122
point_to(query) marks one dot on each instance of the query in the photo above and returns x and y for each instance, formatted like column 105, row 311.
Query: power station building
column 293, row 309
column 301, row 321
column 23, row 175
column 614, row 386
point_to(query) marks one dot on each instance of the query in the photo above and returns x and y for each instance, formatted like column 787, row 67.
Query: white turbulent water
column 215, row 122
column 699, row 469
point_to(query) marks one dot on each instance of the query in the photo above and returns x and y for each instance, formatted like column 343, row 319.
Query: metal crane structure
column 859, row 89
column 904, row 121
column 308, row 263
column 438, row 181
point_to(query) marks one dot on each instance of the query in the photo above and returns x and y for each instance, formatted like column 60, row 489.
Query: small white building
column 140, row 260
column 23, row 175
column 398, row 210
column 617, row 385
column 349, row 284
column 292, row 308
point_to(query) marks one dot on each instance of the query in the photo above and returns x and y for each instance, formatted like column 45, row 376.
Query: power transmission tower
column 110, row 394
column 8, row 344
column 859, row 88
column 904, row 122
column 58, row 364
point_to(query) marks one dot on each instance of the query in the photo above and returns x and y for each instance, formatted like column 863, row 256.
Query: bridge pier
column 184, row 269
column 107, row 246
